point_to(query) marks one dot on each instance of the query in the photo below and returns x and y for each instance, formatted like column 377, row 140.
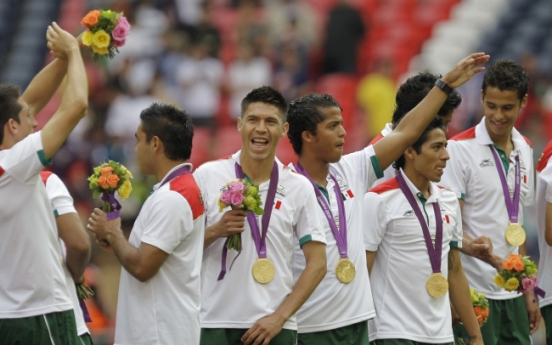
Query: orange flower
column 106, row 171
column 112, row 180
column 514, row 257
column 508, row 264
column 91, row 19
column 519, row 266
column 481, row 314
column 102, row 181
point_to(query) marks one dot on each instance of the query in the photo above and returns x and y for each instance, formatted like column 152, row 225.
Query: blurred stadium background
column 204, row 56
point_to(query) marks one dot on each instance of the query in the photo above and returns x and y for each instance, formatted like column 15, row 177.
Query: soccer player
column 544, row 214
column 159, row 290
column 339, row 307
column 237, row 307
column 74, row 242
column 491, row 172
column 417, row 231
column 35, row 307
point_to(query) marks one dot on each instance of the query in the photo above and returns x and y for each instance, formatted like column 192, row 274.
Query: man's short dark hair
column 414, row 90
column 437, row 122
column 9, row 106
column 506, row 75
column 304, row 115
column 172, row 126
column 268, row 95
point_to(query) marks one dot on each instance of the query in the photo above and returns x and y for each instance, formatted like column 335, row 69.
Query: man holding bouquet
column 249, row 296
column 35, row 307
column 159, row 289
column 339, row 307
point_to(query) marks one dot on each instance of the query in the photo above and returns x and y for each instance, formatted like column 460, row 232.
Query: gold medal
column 345, row 271
column 437, row 285
column 515, row 235
column 263, row 271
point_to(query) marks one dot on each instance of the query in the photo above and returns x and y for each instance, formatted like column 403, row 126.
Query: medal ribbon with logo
column 345, row 270
column 515, row 235
column 437, row 284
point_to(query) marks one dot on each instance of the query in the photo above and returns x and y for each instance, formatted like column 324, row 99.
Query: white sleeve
column 170, row 220
column 59, row 196
column 376, row 220
column 25, row 159
column 198, row 177
column 455, row 177
column 530, row 197
column 458, row 233
column 548, row 179
column 365, row 164
column 306, row 220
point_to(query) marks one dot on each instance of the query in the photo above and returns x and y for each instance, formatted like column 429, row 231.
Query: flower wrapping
column 240, row 195
column 106, row 31
column 107, row 179
column 518, row 273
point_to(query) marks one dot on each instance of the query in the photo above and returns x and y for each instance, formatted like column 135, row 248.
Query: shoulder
column 185, row 188
column 447, row 194
column 386, row 186
column 214, row 166
column 545, row 157
column 465, row 135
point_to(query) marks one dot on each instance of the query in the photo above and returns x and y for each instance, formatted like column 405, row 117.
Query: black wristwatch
column 444, row 86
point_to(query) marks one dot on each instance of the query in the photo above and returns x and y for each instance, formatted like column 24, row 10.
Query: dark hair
column 414, row 90
column 172, row 126
column 268, row 95
column 9, row 106
column 304, row 115
column 437, row 122
column 506, row 75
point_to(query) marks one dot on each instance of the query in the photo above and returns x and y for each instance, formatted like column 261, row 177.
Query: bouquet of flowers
column 480, row 306
column 106, row 31
column 518, row 274
column 107, row 179
column 240, row 195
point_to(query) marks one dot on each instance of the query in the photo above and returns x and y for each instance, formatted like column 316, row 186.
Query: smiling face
column 261, row 127
column 433, row 156
column 327, row 143
column 501, row 111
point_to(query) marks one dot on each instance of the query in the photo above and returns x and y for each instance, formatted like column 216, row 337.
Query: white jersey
column 238, row 301
column 404, row 309
column 390, row 172
column 32, row 281
column 62, row 203
column 165, row 309
column 334, row 304
column 472, row 174
column 544, row 196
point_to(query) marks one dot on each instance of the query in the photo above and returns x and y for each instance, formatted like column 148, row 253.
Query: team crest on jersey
column 486, row 163
column 342, row 184
column 281, row 191
column 408, row 214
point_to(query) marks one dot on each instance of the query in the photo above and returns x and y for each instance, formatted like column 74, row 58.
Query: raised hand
column 60, row 42
column 465, row 69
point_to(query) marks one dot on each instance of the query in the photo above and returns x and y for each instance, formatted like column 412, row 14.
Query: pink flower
column 120, row 32
column 226, row 197
column 528, row 284
column 237, row 198
column 236, row 186
column 118, row 43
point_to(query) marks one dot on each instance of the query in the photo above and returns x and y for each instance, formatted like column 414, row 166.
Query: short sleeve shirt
column 238, row 301
column 544, row 197
column 472, row 174
column 390, row 172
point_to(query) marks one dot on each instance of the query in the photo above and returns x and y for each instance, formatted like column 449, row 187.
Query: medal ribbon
column 180, row 171
column 258, row 238
column 434, row 252
column 341, row 234
column 511, row 205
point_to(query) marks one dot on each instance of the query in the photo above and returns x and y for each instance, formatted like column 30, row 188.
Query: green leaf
column 259, row 211
column 96, row 194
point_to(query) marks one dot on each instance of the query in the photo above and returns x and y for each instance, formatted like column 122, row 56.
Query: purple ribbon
column 341, row 234
column 180, row 171
column 538, row 291
column 258, row 238
column 511, row 205
column 85, row 313
column 434, row 252
column 114, row 204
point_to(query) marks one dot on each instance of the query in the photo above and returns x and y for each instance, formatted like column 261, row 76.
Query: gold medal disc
column 263, row 271
column 437, row 285
column 515, row 235
column 345, row 271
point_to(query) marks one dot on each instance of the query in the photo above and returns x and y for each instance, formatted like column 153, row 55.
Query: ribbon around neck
column 512, row 205
column 258, row 238
column 434, row 252
column 341, row 233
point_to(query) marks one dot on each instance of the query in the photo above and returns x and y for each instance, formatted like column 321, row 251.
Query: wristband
column 444, row 86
